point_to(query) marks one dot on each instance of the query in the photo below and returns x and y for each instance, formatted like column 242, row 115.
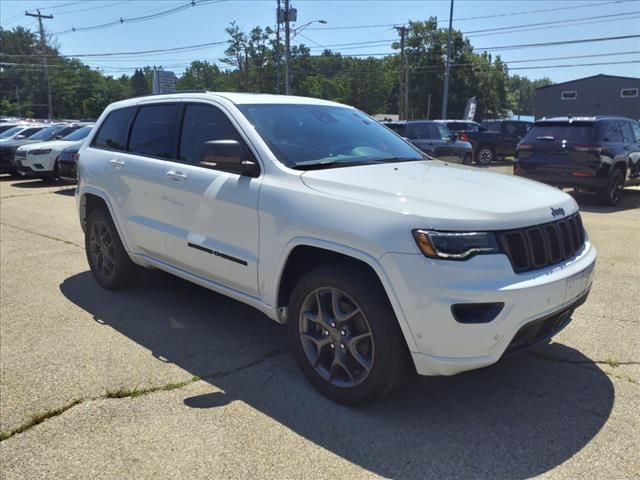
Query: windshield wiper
column 353, row 163
column 330, row 164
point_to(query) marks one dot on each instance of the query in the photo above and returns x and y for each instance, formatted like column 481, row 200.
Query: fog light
column 476, row 312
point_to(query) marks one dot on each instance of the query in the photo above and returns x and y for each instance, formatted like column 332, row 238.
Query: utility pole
column 445, row 94
column 287, row 41
column 43, row 46
column 278, row 48
column 18, row 100
column 403, row 92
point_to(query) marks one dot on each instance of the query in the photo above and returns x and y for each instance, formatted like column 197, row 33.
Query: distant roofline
column 587, row 78
column 563, row 118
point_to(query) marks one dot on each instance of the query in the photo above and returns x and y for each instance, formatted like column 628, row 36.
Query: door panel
column 213, row 219
column 134, row 183
column 213, row 214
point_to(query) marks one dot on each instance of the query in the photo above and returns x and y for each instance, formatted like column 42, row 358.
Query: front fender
column 271, row 296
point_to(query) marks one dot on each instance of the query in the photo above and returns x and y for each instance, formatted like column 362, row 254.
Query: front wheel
column 109, row 261
column 611, row 194
column 345, row 336
column 485, row 155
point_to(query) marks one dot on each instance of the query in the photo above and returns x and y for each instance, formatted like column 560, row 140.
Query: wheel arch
column 303, row 256
column 94, row 199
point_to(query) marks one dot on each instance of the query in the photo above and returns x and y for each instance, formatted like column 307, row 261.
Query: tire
column 485, row 155
column 368, row 343
column 108, row 251
column 611, row 194
column 467, row 160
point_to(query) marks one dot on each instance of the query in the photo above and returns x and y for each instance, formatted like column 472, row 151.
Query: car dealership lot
column 171, row 380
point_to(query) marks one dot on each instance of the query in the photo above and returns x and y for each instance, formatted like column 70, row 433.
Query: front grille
column 541, row 330
column 543, row 245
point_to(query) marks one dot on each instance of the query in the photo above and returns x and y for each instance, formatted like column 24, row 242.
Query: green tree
column 139, row 84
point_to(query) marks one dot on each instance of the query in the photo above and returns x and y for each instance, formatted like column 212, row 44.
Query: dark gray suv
column 435, row 139
column 596, row 154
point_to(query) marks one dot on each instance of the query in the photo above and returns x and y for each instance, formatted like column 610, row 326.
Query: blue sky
column 205, row 23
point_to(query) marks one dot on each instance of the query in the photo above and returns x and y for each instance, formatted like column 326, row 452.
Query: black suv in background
column 434, row 139
column 597, row 154
column 496, row 139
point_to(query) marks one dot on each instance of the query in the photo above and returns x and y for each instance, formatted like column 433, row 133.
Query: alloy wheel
column 101, row 249
column 336, row 337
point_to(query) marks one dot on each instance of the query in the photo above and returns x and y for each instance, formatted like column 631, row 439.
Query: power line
column 141, row 18
column 527, row 12
column 139, row 52
column 546, row 24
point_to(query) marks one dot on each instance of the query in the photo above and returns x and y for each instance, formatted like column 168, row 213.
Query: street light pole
column 445, row 94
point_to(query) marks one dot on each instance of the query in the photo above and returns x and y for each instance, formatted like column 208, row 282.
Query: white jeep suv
column 379, row 258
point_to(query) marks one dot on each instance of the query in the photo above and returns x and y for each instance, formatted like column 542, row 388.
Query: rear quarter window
column 114, row 130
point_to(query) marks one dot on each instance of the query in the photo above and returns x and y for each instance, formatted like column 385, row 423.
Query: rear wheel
column 345, row 336
column 611, row 194
column 109, row 262
column 485, row 155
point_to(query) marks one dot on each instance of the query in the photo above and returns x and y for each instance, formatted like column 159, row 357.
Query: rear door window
column 201, row 124
column 636, row 130
column 492, row 126
column 627, row 132
column 152, row 131
column 115, row 130
column 418, row 131
column 611, row 132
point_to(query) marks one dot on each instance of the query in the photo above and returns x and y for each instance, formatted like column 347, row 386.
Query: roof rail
column 182, row 91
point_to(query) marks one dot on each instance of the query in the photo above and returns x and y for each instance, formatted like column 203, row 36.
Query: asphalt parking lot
column 168, row 380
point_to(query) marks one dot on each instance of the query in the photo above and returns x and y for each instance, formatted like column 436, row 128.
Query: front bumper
column 427, row 289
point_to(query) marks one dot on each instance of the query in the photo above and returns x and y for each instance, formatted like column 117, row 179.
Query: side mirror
column 453, row 137
column 20, row 137
column 229, row 156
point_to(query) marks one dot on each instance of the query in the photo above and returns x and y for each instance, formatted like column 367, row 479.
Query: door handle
column 177, row 176
column 116, row 163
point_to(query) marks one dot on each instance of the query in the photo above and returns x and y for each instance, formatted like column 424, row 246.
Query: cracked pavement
column 168, row 380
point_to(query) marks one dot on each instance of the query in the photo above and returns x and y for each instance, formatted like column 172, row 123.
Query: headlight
column 40, row 152
column 455, row 245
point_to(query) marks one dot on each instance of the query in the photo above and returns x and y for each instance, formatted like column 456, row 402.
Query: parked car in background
column 41, row 159
column 496, row 139
column 458, row 126
column 381, row 260
column 435, row 139
column 68, row 163
column 8, row 149
column 596, row 154
column 19, row 132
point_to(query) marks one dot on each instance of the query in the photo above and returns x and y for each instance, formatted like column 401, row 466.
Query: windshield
column 79, row 134
column 10, row 132
column 558, row 131
column 303, row 136
column 45, row 133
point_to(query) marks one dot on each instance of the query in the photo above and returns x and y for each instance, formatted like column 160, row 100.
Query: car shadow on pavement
column 517, row 419
column 34, row 183
column 589, row 202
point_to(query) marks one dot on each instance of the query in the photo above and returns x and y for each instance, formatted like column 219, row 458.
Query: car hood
column 445, row 196
column 55, row 145
column 18, row 143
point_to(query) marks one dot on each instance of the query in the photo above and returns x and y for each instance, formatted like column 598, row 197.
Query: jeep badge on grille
column 557, row 212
